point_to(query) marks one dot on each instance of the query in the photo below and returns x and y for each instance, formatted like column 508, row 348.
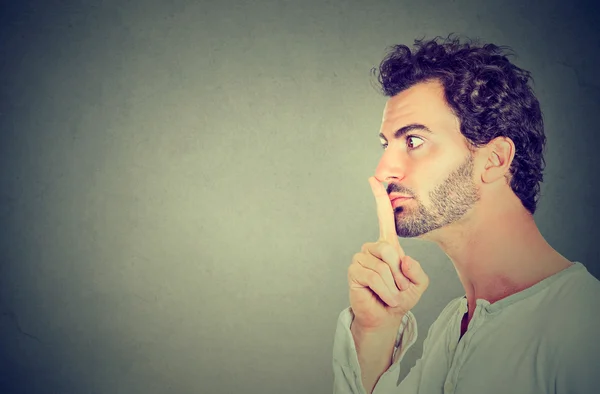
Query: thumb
column 413, row 271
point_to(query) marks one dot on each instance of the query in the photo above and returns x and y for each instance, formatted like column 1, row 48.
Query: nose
column 389, row 168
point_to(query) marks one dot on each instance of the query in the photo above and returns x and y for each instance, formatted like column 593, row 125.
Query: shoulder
column 573, row 305
column 578, row 296
column 576, row 326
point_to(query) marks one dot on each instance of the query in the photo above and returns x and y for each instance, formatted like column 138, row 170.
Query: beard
column 450, row 200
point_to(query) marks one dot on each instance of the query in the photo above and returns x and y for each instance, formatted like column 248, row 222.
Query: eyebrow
column 403, row 130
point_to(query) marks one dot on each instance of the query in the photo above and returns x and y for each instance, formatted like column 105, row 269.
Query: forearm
column 374, row 351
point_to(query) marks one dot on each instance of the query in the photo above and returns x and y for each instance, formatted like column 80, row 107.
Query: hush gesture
column 384, row 284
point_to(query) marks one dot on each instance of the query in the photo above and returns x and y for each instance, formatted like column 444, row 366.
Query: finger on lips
column 385, row 215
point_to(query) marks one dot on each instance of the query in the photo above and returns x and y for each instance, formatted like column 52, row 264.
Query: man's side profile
column 463, row 140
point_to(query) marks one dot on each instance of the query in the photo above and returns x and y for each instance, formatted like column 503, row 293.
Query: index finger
column 385, row 214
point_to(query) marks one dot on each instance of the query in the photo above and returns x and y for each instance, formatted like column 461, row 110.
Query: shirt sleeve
column 346, row 369
column 578, row 370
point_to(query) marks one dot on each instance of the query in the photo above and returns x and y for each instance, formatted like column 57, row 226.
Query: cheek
column 427, row 181
column 428, row 186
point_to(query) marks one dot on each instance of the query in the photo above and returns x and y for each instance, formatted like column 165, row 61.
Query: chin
column 427, row 233
column 406, row 234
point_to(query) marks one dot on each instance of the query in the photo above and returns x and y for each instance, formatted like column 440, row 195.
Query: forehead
column 425, row 104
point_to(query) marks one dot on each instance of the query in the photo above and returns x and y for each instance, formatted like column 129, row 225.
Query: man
column 463, row 138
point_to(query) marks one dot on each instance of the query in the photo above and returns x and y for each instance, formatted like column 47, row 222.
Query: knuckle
column 351, row 268
column 376, row 247
column 381, row 245
column 382, row 268
column 366, row 247
column 387, row 252
column 371, row 276
column 354, row 268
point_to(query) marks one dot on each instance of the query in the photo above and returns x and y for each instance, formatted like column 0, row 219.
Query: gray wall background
column 183, row 184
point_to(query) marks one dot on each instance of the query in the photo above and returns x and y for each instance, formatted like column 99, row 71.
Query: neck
column 497, row 251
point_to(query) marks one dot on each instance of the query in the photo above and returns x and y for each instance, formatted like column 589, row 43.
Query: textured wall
column 183, row 184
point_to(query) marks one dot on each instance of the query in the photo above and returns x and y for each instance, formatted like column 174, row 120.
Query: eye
column 410, row 138
column 383, row 143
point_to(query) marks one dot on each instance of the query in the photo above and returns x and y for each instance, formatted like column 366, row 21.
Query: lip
column 394, row 196
column 397, row 200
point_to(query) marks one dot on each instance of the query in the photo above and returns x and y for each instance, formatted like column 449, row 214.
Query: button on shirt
column 544, row 339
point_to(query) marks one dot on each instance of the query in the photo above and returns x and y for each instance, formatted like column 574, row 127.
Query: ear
column 499, row 155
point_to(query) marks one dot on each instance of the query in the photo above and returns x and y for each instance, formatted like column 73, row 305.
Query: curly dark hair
column 489, row 95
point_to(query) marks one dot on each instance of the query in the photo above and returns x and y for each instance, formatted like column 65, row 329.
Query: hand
column 384, row 283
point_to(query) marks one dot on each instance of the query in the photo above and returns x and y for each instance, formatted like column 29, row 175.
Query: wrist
column 382, row 330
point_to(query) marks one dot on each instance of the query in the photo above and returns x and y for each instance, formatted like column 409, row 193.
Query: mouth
column 397, row 201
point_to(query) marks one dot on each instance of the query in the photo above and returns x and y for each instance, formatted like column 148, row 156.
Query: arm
column 375, row 349
column 348, row 375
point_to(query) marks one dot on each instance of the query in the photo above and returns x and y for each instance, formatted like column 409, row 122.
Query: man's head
column 452, row 106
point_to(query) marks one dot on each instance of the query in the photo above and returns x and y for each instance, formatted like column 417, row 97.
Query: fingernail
column 399, row 281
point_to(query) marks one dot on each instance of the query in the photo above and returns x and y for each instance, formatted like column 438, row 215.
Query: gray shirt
column 544, row 339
